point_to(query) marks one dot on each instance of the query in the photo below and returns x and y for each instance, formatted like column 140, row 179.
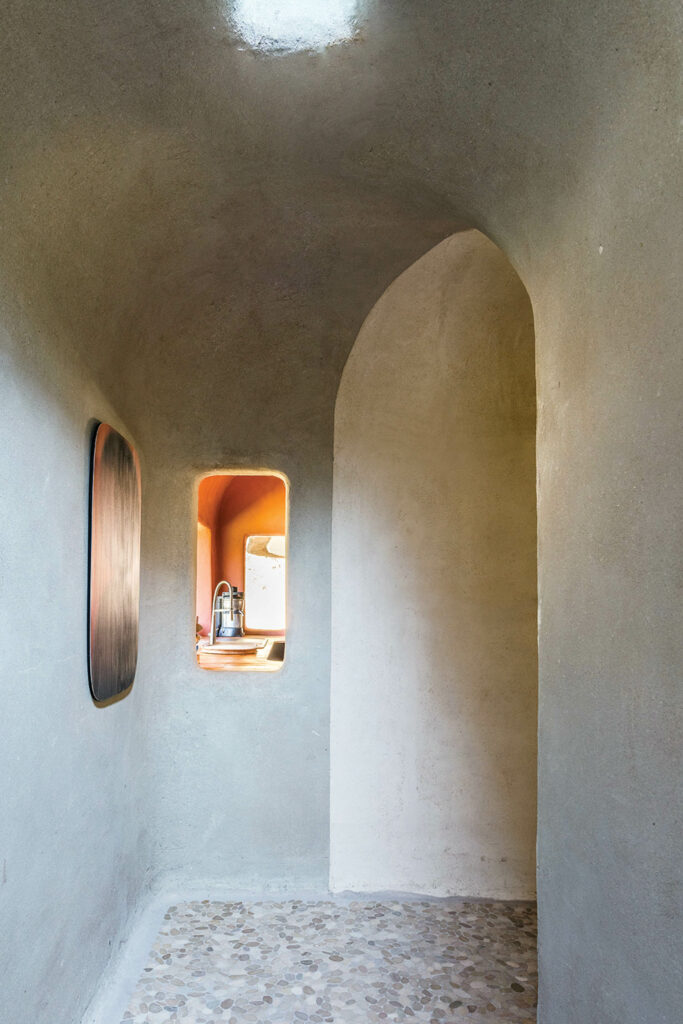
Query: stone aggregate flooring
column 334, row 962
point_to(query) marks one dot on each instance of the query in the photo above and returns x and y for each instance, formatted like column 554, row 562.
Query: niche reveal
column 241, row 613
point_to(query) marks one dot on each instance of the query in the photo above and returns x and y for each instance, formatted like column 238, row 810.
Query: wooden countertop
column 257, row 662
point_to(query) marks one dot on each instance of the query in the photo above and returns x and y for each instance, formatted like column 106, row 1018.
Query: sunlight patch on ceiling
column 286, row 25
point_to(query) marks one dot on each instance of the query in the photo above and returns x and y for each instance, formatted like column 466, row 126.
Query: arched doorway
column 434, row 608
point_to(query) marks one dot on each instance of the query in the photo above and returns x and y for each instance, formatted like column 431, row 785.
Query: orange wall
column 211, row 492
column 204, row 576
column 253, row 504
column 232, row 508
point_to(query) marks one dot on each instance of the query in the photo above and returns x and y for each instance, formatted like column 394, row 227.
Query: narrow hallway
column 340, row 574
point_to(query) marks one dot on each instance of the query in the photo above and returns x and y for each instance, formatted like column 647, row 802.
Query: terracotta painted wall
column 211, row 493
column 204, row 575
column 232, row 507
column 252, row 505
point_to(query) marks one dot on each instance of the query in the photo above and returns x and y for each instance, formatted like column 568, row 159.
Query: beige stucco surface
column 205, row 229
column 434, row 664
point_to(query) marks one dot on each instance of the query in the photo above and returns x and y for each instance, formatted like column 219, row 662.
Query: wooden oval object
column 114, row 566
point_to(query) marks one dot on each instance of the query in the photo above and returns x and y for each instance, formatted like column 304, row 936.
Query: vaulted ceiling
column 204, row 222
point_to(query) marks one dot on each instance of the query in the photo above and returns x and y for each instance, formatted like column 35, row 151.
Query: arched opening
column 434, row 606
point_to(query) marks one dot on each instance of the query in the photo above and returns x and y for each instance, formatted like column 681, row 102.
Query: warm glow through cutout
column 264, row 582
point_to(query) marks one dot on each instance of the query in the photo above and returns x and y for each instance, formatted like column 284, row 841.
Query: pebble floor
column 361, row 962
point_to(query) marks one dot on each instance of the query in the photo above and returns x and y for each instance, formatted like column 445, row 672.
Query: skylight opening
column 287, row 25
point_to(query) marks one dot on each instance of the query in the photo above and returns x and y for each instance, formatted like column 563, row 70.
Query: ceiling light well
column 282, row 26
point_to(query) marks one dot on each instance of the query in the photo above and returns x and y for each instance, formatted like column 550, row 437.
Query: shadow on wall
column 434, row 663
column 75, row 840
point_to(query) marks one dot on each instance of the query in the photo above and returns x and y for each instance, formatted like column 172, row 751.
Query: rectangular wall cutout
column 241, row 581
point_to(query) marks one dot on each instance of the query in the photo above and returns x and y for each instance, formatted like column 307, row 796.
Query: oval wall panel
column 115, row 518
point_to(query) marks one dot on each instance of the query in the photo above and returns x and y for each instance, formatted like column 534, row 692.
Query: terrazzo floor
column 360, row 962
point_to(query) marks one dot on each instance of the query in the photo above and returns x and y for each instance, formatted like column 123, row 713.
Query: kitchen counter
column 259, row 661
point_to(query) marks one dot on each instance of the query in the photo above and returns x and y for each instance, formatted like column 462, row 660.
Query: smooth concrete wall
column 434, row 663
column 74, row 842
column 211, row 226
column 237, row 761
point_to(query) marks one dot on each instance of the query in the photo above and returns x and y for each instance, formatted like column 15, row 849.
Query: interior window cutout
column 241, row 592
